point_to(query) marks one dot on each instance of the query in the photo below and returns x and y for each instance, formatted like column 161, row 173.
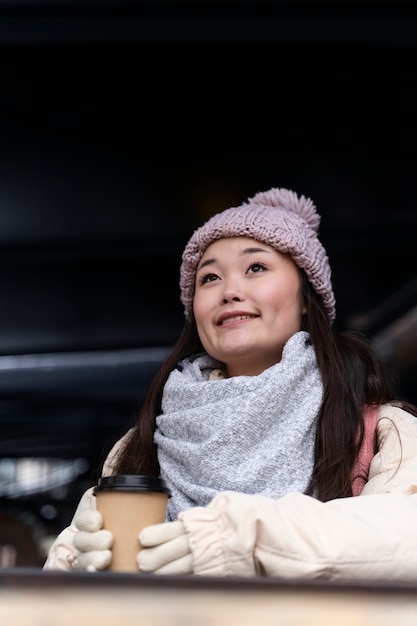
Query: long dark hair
column 352, row 376
column 138, row 455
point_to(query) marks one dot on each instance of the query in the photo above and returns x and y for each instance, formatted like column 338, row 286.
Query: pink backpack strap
column 367, row 452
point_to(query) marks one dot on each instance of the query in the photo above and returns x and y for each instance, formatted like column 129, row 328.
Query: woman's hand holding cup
column 165, row 549
column 92, row 542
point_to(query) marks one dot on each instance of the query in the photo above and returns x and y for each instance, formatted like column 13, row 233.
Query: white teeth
column 235, row 318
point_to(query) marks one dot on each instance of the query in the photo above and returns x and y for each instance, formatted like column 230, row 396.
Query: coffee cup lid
column 132, row 482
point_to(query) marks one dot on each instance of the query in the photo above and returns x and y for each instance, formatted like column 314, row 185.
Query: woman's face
column 247, row 303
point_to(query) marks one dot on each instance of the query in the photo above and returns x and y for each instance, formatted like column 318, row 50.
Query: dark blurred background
column 124, row 125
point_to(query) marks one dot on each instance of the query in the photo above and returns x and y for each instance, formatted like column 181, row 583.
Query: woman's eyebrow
column 252, row 250
column 205, row 263
column 255, row 250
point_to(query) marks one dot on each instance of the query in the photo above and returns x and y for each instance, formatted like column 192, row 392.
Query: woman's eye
column 207, row 278
column 257, row 267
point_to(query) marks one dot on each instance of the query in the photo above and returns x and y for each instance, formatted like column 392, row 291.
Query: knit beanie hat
column 280, row 219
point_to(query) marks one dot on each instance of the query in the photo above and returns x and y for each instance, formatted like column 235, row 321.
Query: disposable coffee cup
column 128, row 503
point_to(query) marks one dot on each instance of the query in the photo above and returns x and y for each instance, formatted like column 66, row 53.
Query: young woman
column 284, row 449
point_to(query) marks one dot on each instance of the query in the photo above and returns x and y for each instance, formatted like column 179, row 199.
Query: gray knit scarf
column 252, row 434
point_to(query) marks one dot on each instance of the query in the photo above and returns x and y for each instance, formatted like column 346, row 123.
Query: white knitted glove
column 92, row 542
column 166, row 549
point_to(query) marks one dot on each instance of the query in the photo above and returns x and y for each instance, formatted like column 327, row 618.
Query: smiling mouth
column 236, row 318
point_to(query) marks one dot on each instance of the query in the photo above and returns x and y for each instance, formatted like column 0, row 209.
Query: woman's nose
column 232, row 293
column 234, row 299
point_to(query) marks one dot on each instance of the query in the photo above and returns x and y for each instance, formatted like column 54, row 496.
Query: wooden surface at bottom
column 59, row 601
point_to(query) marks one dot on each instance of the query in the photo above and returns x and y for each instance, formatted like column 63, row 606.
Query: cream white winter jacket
column 369, row 537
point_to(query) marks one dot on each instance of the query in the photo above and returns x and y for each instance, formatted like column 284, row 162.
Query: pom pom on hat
column 285, row 198
column 279, row 218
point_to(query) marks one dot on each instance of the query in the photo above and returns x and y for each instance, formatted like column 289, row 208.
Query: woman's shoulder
column 394, row 465
column 397, row 411
column 110, row 462
column 399, row 418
